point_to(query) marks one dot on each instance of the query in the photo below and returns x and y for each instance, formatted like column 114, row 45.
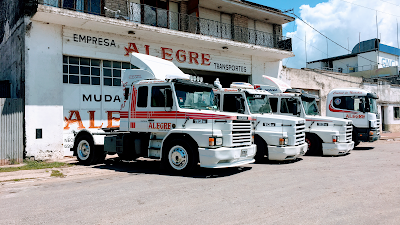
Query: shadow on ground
column 154, row 167
column 271, row 162
column 362, row 148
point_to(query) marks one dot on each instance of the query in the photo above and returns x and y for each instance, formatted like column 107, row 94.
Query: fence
column 11, row 131
column 158, row 17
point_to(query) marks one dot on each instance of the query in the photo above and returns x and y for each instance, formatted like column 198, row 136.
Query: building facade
column 64, row 57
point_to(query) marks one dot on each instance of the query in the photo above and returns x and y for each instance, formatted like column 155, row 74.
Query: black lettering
column 106, row 43
column 76, row 38
column 113, row 43
column 94, row 40
column 82, row 38
column 245, row 69
column 97, row 100
column 88, row 39
column 100, row 41
column 88, row 99
column 107, row 98
column 117, row 98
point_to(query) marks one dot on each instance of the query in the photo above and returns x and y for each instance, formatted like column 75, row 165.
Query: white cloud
column 343, row 23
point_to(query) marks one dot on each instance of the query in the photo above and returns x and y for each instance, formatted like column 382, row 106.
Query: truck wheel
column 262, row 150
column 179, row 157
column 85, row 150
column 355, row 138
column 314, row 145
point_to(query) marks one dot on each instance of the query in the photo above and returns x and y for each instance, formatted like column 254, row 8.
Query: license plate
column 243, row 153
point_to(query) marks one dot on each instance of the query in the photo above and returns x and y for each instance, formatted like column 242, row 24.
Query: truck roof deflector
column 162, row 69
column 273, row 82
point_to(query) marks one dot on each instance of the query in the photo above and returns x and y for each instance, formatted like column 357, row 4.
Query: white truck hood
column 327, row 119
column 278, row 118
column 273, row 85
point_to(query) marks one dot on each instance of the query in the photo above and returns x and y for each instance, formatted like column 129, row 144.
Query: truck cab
column 359, row 106
column 166, row 115
column 324, row 135
column 277, row 137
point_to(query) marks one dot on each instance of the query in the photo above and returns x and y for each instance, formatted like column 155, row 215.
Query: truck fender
column 176, row 134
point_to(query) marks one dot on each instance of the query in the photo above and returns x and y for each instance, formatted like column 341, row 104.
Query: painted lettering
column 91, row 120
column 147, row 47
column 355, row 116
column 131, row 48
column 106, row 43
column 160, row 126
column 113, row 43
column 111, row 118
column 97, row 100
column 205, row 59
column 181, row 56
column 89, row 98
column 193, row 56
column 166, row 53
column 71, row 120
column 94, row 40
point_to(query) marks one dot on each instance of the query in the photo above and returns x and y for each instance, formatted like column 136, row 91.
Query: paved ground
column 360, row 188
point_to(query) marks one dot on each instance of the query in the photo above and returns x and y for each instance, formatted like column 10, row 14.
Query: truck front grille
column 300, row 133
column 349, row 132
column 241, row 132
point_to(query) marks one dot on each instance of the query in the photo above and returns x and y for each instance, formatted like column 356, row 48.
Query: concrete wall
column 12, row 46
column 367, row 61
column 387, row 60
column 43, row 106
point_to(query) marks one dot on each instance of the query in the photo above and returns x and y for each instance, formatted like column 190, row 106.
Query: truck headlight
column 215, row 141
column 283, row 141
column 335, row 138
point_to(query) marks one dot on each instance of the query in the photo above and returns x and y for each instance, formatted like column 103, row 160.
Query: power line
column 390, row 3
column 330, row 39
column 369, row 8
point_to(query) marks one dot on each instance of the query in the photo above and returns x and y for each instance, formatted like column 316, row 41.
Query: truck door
column 140, row 116
column 162, row 110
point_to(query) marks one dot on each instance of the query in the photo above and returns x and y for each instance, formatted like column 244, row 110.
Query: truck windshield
column 258, row 103
column 310, row 106
column 372, row 105
column 194, row 97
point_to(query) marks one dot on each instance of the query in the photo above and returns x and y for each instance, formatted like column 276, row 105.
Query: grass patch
column 56, row 173
column 35, row 165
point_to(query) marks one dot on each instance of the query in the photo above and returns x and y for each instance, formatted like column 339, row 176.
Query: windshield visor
column 194, row 97
column 258, row 103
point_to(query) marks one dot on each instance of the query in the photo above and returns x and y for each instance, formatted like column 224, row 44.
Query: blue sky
column 344, row 21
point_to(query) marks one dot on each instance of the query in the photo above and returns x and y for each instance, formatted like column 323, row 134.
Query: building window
column 78, row 70
column 89, row 6
column 396, row 111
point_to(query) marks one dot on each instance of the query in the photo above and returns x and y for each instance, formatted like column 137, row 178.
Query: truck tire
column 314, row 145
column 262, row 150
column 85, row 150
column 355, row 138
column 179, row 157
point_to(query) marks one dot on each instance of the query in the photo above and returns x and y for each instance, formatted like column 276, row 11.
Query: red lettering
column 91, row 120
column 71, row 121
column 110, row 118
column 205, row 59
column 193, row 56
column 131, row 48
column 147, row 47
column 133, row 125
column 181, row 54
column 166, row 54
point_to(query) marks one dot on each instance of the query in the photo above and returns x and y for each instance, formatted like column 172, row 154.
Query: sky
column 343, row 21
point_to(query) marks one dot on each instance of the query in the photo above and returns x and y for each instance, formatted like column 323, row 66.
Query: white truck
column 324, row 135
column 359, row 106
column 277, row 137
column 166, row 116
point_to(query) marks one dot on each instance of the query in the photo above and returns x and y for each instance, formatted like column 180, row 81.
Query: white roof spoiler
column 161, row 69
column 272, row 85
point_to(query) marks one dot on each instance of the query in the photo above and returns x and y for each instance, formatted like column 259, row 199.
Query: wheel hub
column 83, row 150
column 178, row 157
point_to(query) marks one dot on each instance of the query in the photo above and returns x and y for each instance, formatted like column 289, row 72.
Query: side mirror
column 294, row 110
column 168, row 97
column 126, row 94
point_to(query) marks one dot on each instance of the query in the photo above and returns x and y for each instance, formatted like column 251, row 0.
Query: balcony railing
column 149, row 15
